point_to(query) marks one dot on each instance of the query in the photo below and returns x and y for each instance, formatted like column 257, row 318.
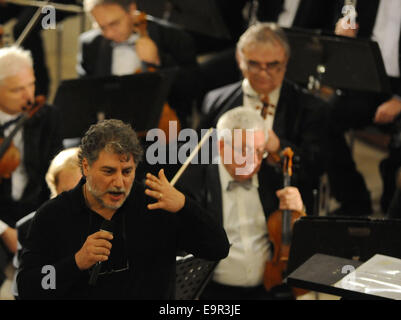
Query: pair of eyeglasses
column 248, row 150
column 110, row 271
column 255, row 67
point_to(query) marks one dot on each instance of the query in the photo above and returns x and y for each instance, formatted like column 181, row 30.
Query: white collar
column 274, row 96
column 132, row 39
column 5, row 117
column 225, row 177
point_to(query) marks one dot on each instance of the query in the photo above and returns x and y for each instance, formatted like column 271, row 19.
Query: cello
column 279, row 226
column 168, row 114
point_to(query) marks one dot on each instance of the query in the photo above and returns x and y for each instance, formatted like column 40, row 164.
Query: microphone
column 107, row 226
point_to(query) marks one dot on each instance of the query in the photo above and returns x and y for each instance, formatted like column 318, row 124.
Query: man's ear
column 85, row 167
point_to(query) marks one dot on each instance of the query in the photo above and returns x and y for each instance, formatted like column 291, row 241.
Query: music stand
column 136, row 99
column 349, row 64
column 321, row 272
column 192, row 276
column 348, row 238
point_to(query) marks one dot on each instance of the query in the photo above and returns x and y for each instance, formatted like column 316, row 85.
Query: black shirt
column 144, row 248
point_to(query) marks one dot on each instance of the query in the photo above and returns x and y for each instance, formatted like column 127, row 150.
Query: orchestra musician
column 138, row 254
column 241, row 201
column 120, row 46
column 379, row 21
column 293, row 117
column 37, row 142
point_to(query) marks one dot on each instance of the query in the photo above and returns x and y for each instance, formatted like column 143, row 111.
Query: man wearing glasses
column 293, row 117
column 242, row 194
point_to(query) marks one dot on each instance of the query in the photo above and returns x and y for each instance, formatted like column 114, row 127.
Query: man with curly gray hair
column 135, row 256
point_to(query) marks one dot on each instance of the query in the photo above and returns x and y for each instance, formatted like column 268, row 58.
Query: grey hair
column 90, row 4
column 241, row 118
column 113, row 136
column 13, row 60
column 263, row 33
column 66, row 159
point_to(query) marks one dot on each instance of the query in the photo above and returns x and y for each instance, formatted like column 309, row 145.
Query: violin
column 10, row 156
column 168, row 114
column 1, row 36
column 280, row 225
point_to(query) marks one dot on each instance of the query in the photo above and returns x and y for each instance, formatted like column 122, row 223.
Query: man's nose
column 118, row 181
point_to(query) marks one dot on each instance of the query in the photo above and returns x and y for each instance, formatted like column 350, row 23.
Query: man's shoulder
column 217, row 96
column 57, row 209
column 90, row 36
column 225, row 90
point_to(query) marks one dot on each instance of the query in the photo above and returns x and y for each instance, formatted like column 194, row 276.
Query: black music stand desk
column 192, row 276
column 349, row 64
column 136, row 99
column 323, row 273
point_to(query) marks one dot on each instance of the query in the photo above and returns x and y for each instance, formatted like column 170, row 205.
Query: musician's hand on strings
column 388, row 111
column 273, row 142
column 10, row 239
column 344, row 28
column 168, row 198
column 147, row 50
column 290, row 199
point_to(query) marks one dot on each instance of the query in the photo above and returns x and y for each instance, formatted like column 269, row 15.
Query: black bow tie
column 247, row 184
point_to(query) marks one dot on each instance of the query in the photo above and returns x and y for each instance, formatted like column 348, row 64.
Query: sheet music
column 379, row 276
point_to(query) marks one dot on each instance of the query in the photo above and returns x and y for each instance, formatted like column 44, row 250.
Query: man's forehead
column 248, row 137
column 110, row 156
column 272, row 48
column 19, row 78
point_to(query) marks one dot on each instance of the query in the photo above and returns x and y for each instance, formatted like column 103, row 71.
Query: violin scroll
column 140, row 23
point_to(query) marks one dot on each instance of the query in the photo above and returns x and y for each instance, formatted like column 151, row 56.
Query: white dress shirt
column 19, row 178
column 387, row 33
column 286, row 18
column 246, row 228
column 124, row 57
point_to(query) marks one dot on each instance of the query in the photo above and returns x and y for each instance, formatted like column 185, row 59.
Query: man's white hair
column 13, row 60
column 240, row 118
column 67, row 159
column 89, row 5
column 262, row 33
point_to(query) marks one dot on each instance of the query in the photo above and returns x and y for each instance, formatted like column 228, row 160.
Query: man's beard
column 97, row 195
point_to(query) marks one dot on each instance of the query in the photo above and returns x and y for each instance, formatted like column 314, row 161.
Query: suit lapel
column 279, row 124
column 105, row 58
column 213, row 189
column 235, row 100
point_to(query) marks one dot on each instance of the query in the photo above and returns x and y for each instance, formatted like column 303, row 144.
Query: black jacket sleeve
column 41, row 266
column 200, row 234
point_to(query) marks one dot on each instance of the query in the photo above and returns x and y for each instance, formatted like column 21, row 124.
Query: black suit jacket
column 300, row 123
column 42, row 141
